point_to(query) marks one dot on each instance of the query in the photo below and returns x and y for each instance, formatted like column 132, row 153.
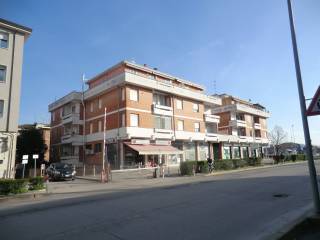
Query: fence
column 94, row 171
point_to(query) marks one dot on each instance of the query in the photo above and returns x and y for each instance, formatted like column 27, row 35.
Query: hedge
column 13, row 186
column 36, row 183
column 186, row 168
column 288, row 158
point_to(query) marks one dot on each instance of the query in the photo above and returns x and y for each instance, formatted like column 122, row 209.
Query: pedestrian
column 210, row 164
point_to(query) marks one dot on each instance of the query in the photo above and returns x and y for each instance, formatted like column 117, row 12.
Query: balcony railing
column 238, row 123
column 211, row 118
column 162, row 110
column 257, row 126
column 72, row 118
column 75, row 139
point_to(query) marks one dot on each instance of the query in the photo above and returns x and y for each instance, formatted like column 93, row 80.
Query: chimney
column 156, row 69
column 145, row 65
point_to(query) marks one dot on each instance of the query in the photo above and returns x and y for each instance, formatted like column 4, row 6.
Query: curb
column 253, row 168
column 28, row 195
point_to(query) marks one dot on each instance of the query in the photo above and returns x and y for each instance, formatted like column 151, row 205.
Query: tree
column 30, row 141
column 277, row 136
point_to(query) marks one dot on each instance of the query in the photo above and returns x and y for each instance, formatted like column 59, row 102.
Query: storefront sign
column 140, row 141
column 162, row 142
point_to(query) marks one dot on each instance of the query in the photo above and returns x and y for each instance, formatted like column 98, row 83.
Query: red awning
column 154, row 149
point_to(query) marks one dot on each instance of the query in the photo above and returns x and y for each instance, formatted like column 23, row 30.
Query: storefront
column 150, row 155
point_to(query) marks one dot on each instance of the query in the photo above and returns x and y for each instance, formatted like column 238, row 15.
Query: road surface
column 245, row 205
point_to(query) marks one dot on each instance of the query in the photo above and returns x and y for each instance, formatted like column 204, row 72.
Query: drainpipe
column 11, row 80
column 11, row 135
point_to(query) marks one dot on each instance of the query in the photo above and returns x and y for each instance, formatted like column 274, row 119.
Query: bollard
column 194, row 170
column 162, row 171
column 103, row 176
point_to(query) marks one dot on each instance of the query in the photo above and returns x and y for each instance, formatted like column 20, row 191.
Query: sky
column 242, row 48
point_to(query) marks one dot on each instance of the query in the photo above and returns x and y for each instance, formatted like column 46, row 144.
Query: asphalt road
column 234, row 206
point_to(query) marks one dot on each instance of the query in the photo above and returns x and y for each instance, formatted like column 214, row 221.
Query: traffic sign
column 25, row 161
column 35, row 156
column 25, row 157
column 314, row 107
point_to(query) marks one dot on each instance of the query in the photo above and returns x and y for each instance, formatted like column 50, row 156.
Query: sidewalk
column 89, row 185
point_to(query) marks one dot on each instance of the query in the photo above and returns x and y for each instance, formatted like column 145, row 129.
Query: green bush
column 239, row 163
column 202, row 167
column 224, row 164
column 254, row 161
column 186, row 168
column 14, row 186
column 301, row 157
column 36, row 183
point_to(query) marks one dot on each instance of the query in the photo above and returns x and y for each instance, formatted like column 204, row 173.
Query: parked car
column 61, row 171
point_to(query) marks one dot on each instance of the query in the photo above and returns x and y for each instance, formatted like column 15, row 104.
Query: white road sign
column 35, row 156
column 314, row 107
column 25, row 161
column 25, row 157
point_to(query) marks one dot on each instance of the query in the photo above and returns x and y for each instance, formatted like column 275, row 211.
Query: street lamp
column 312, row 169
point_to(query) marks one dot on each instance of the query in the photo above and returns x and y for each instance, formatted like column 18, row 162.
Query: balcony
column 162, row 110
column 237, row 123
column 211, row 118
column 257, row 126
column 73, row 118
column 74, row 139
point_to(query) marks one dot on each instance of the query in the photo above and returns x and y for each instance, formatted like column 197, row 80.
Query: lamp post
column 312, row 169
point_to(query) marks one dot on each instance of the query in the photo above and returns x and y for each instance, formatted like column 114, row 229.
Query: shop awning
column 154, row 149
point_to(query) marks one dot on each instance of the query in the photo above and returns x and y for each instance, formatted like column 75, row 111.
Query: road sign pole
column 24, row 166
column 35, row 157
column 24, row 162
column 312, row 169
column 35, row 168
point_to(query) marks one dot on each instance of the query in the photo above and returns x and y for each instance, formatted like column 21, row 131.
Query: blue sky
column 244, row 46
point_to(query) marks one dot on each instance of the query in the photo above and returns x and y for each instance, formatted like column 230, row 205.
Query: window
column 53, row 116
column 162, row 122
column 180, row 125
column 242, row 131
column 134, row 120
column 123, row 119
column 91, row 107
column 179, row 104
column 97, row 148
column 161, row 99
column 100, row 103
column 100, row 126
column 240, row 116
column 3, row 70
column 197, row 127
column 133, row 95
column 123, row 94
column 195, row 107
column 91, row 127
column 1, row 108
column 3, row 40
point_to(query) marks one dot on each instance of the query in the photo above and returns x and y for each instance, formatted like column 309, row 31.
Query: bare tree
column 277, row 136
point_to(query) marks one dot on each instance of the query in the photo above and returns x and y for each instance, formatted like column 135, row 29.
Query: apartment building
column 246, row 125
column 12, row 38
column 151, row 118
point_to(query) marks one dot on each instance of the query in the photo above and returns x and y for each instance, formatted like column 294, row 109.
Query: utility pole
column 104, row 139
column 312, row 169
column 84, row 127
